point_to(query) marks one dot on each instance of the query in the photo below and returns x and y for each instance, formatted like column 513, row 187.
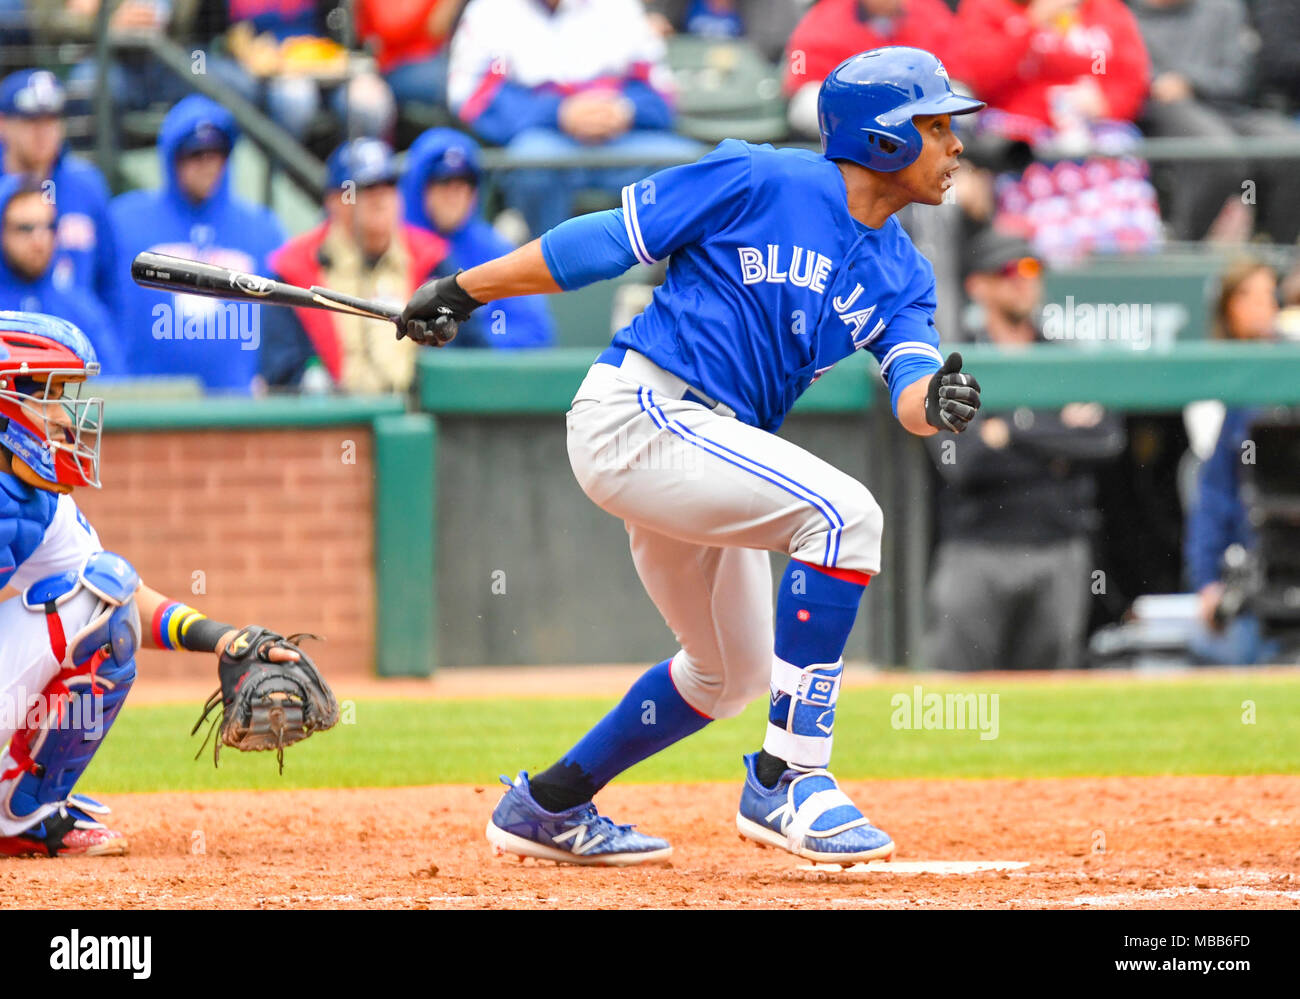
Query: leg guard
column 801, row 719
column 71, row 715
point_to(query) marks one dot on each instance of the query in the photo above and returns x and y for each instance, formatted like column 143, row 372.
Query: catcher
column 69, row 635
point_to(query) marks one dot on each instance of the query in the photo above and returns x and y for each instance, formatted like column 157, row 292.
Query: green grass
column 1192, row 725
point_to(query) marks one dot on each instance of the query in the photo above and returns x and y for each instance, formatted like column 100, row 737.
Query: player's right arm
column 668, row 210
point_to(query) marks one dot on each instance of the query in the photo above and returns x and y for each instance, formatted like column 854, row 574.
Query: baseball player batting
column 781, row 263
column 68, row 640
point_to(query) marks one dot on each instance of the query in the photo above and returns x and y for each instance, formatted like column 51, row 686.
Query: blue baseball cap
column 364, row 162
column 31, row 93
column 206, row 136
column 449, row 154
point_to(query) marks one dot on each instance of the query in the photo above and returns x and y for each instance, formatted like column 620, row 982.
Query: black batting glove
column 435, row 312
column 952, row 399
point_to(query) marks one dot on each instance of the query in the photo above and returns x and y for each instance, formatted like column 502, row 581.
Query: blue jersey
column 770, row 280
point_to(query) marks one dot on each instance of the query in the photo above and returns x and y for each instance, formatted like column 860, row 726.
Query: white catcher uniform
column 27, row 664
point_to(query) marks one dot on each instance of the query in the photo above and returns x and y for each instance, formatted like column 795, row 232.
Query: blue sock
column 815, row 612
column 651, row 717
column 814, row 615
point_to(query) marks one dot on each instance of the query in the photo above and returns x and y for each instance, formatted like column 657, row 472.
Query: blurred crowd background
column 371, row 145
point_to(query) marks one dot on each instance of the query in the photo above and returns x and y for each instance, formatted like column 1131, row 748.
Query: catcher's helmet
column 874, row 95
column 54, row 444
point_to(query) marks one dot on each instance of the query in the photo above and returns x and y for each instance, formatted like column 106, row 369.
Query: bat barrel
column 194, row 277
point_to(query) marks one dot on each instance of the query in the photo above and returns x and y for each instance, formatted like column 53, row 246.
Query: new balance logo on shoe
column 782, row 816
column 581, row 844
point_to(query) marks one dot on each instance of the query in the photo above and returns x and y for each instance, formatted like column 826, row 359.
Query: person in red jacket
column 409, row 41
column 833, row 30
column 363, row 248
column 1053, row 68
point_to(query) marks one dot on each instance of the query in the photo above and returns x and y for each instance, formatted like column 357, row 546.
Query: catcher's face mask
column 52, row 432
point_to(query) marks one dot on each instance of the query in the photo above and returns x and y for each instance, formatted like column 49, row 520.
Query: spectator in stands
column 1246, row 309
column 1278, row 61
column 136, row 80
column 1288, row 317
column 409, row 41
column 1058, row 71
column 440, row 192
column 1201, row 55
column 15, row 27
column 556, row 77
column 362, row 248
column 833, row 30
column 27, row 268
column 289, row 63
column 32, row 142
column 1009, row 588
column 766, row 24
column 196, row 216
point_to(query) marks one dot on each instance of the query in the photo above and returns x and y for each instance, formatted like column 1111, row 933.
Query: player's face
column 934, row 171
column 29, row 235
column 70, row 424
column 52, row 410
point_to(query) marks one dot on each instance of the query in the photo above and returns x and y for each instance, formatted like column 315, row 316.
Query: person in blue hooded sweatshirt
column 32, row 141
column 195, row 216
column 28, row 223
column 440, row 191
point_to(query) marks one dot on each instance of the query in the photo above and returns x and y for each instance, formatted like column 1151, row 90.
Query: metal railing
column 280, row 148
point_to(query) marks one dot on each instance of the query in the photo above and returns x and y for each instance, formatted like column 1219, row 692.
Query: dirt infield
column 1179, row 842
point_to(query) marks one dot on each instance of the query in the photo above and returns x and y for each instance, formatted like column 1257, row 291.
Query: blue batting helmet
column 872, row 97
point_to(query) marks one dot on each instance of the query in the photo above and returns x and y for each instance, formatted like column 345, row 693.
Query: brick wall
column 279, row 525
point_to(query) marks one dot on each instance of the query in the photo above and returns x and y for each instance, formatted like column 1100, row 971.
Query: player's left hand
column 271, row 694
column 952, row 399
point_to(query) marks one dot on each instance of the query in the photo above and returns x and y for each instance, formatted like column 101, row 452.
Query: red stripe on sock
column 847, row 575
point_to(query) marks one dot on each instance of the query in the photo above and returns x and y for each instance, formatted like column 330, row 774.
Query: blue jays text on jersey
column 770, row 280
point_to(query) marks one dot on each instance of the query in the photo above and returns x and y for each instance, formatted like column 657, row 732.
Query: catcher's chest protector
column 25, row 514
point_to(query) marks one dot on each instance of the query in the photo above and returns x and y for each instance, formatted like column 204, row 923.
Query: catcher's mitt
column 266, row 704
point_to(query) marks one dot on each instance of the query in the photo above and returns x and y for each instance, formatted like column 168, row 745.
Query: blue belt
column 615, row 356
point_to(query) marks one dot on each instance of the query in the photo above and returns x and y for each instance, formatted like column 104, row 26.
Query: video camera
column 1264, row 580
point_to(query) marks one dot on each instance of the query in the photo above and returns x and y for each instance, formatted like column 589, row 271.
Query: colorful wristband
column 179, row 626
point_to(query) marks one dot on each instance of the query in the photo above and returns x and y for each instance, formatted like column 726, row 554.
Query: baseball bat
column 193, row 277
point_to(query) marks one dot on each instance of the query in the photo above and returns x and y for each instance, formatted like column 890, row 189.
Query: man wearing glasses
column 27, row 269
column 32, row 142
column 1009, row 584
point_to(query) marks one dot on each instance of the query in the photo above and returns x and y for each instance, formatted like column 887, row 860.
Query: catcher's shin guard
column 801, row 717
column 72, row 714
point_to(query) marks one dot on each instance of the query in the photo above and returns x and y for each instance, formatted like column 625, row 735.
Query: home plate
column 920, row 867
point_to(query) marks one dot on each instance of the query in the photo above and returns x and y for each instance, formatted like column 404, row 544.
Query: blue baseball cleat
column 521, row 826
column 808, row 815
